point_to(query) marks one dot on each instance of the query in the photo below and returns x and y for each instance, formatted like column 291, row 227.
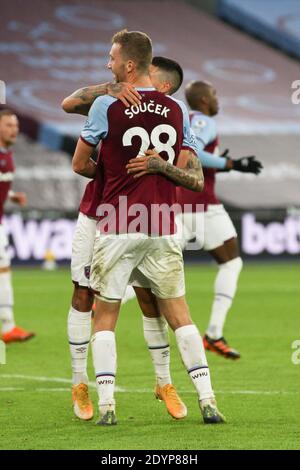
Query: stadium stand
column 276, row 22
column 46, row 176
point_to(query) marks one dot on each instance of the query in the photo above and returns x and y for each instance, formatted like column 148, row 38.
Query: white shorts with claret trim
column 82, row 249
column 118, row 259
column 4, row 255
column 210, row 228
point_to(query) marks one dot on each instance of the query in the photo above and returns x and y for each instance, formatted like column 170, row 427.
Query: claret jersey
column 160, row 122
column 7, row 170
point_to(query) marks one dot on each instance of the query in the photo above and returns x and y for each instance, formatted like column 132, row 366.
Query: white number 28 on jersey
column 154, row 139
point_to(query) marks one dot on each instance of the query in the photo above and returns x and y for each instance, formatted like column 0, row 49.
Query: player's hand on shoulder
column 144, row 165
column 124, row 92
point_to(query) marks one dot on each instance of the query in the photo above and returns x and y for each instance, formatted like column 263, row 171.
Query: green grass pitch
column 259, row 395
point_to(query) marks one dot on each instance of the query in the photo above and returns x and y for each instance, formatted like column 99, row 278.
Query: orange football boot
column 17, row 334
column 175, row 406
column 83, row 407
column 221, row 347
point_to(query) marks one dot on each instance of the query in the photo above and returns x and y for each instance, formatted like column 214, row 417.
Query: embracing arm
column 81, row 100
column 82, row 163
column 187, row 173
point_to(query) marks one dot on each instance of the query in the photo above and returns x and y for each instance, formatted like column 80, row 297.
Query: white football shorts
column 4, row 256
column 82, row 249
column 118, row 259
column 210, row 228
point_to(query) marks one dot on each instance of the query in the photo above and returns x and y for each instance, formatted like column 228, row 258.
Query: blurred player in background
column 220, row 237
column 159, row 258
column 9, row 129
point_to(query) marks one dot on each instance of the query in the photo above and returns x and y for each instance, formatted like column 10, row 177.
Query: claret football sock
column 224, row 292
column 157, row 338
column 193, row 356
column 79, row 334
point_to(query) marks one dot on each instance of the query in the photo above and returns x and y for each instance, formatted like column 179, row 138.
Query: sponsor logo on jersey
column 199, row 123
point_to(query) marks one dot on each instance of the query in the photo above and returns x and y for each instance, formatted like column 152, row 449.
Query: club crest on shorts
column 87, row 271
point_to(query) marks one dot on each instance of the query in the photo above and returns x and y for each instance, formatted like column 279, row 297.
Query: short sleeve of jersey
column 204, row 128
column 189, row 139
column 96, row 125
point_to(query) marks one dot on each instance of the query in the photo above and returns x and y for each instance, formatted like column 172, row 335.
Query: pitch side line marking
column 126, row 390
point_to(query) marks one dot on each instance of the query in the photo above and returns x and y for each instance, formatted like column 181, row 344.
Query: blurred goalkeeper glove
column 247, row 165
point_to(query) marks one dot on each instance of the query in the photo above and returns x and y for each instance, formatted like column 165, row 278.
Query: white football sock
column 225, row 289
column 105, row 365
column 129, row 294
column 193, row 356
column 6, row 302
column 157, row 338
column 79, row 334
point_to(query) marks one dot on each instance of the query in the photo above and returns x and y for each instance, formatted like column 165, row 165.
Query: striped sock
column 157, row 338
column 105, row 365
column 193, row 356
column 79, row 333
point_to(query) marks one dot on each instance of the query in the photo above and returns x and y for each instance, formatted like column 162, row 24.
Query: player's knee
column 82, row 299
column 235, row 265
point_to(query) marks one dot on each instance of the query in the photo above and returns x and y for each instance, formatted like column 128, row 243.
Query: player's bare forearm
column 190, row 177
column 82, row 163
column 81, row 100
column 89, row 170
column 188, row 172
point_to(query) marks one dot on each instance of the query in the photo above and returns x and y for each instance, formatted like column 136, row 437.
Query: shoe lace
column 222, row 344
column 172, row 394
column 83, row 396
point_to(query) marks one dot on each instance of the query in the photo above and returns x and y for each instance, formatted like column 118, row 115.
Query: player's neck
column 142, row 81
column 3, row 145
column 204, row 110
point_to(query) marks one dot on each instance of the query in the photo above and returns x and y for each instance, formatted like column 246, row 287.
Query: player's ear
column 168, row 88
column 130, row 66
